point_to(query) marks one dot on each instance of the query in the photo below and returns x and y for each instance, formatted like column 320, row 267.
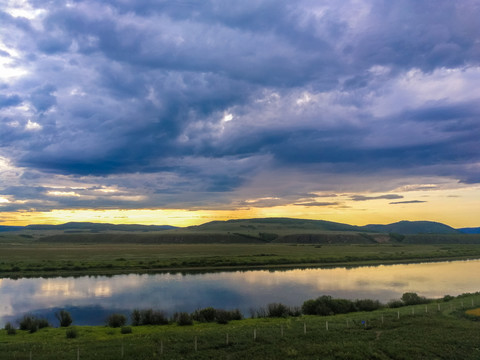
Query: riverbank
column 435, row 330
column 32, row 259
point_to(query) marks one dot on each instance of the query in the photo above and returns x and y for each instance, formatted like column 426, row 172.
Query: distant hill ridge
column 240, row 225
column 100, row 227
column 279, row 221
column 413, row 227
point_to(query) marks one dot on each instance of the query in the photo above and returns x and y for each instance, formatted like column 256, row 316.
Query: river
column 90, row 299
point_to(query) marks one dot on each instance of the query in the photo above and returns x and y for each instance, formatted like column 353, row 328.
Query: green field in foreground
column 412, row 332
column 35, row 259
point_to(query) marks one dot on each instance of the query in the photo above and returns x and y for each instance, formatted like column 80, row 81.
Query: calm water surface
column 91, row 299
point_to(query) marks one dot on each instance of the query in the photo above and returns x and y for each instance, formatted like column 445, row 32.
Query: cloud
column 317, row 203
column 367, row 198
column 194, row 103
column 408, row 202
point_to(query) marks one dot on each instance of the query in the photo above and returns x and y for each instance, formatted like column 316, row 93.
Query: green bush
column 126, row 330
column 183, row 318
column 277, row 310
column 64, row 318
column 395, row 304
column 10, row 329
column 71, row 333
column 411, row 298
column 224, row 316
column 367, row 305
column 148, row 317
column 32, row 323
column 116, row 320
column 205, row 315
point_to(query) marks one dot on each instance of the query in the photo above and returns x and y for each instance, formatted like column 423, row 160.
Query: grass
column 416, row 334
column 32, row 258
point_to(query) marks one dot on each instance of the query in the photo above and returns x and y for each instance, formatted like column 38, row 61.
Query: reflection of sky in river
column 91, row 298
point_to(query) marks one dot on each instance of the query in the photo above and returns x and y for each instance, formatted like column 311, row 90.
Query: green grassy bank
column 41, row 259
column 434, row 331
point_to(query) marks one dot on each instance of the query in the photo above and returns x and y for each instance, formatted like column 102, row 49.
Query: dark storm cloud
column 213, row 92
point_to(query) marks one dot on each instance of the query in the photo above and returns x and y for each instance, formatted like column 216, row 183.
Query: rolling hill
column 413, row 227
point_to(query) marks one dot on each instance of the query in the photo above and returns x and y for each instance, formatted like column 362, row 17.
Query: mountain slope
column 89, row 226
column 413, row 227
column 274, row 224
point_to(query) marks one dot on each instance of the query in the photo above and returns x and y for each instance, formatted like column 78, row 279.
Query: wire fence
column 160, row 344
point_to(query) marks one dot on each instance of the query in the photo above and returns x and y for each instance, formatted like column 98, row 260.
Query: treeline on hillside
column 322, row 306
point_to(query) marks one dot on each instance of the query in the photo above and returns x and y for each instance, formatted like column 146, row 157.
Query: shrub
column 32, row 323
column 235, row 314
column 309, row 307
column 148, row 317
column 10, row 329
column 277, row 310
column 136, row 317
column 71, row 333
column 326, row 305
column 126, row 330
column 64, row 318
column 116, row 320
column 395, row 303
column 367, row 305
column 183, row 318
column 205, row 315
column 448, row 298
column 411, row 298
column 224, row 316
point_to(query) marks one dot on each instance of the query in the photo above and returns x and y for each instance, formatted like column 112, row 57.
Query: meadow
column 438, row 330
column 33, row 258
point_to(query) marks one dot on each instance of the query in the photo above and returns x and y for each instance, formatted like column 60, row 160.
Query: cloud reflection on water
column 241, row 289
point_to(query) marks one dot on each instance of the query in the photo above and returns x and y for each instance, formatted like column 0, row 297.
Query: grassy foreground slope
column 433, row 331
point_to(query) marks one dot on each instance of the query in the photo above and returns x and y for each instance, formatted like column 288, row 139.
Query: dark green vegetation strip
column 413, row 332
column 29, row 258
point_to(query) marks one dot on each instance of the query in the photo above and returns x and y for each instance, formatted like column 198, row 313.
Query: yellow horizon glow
column 454, row 207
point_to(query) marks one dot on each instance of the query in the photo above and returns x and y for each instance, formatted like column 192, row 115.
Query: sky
column 183, row 111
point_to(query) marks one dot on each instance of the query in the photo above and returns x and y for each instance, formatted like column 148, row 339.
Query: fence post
column 438, row 305
column 326, row 325
column 78, row 352
column 398, row 314
column 226, row 339
column 254, row 334
column 382, row 318
column 304, row 328
column 426, row 308
column 122, row 351
column 196, row 344
column 161, row 347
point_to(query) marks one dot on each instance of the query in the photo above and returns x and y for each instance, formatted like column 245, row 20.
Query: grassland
column 38, row 259
column 86, row 248
column 435, row 331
